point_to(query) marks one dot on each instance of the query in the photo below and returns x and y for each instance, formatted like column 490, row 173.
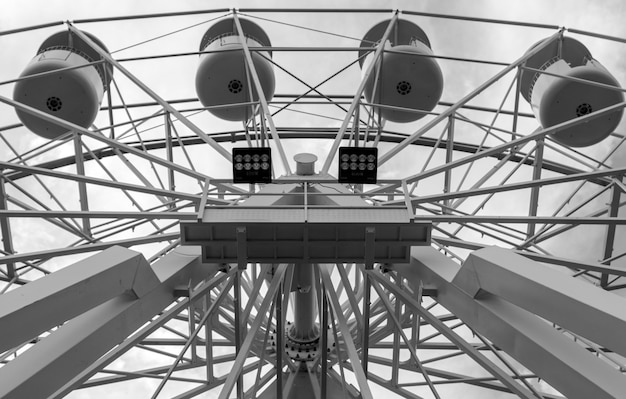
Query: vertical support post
column 169, row 153
column 323, row 339
column 5, row 229
column 280, row 334
column 304, row 305
column 370, row 234
column 518, row 86
column 82, row 187
column 242, row 250
column 306, row 205
column 609, row 239
column 192, row 326
column 417, row 318
column 366, row 321
column 534, row 193
column 242, row 256
column 395, row 359
column 355, row 125
column 202, row 205
column 208, row 339
column 447, row 178
column 109, row 103
column 237, row 307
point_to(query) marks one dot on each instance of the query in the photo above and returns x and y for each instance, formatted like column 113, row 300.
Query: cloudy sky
column 478, row 41
column 601, row 16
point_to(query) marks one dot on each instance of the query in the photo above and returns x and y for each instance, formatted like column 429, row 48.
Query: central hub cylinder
column 304, row 328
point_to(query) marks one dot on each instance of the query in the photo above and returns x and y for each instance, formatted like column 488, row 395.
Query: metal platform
column 297, row 235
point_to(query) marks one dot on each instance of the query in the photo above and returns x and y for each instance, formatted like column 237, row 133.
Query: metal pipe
column 609, row 239
column 280, row 347
column 534, row 192
column 103, row 182
column 5, row 228
column 515, row 186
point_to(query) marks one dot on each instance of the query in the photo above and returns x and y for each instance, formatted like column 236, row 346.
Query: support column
column 5, row 229
column 170, row 155
column 82, row 187
column 280, row 346
column 609, row 239
column 304, row 305
column 534, row 192
column 447, row 177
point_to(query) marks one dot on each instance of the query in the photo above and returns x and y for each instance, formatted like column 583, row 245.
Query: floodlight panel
column 358, row 165
column 252, row 165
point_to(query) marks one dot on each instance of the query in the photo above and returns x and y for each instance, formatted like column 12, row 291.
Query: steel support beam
column 596, row 314
column 52, row 300
column 499, row 149
column 169, row 151
column 82, row 187
column 140, row 337
column 110, row 142
column 5, row 229
column 515, row 186
column 244, row 350
column 570, row 263
column 534, row 343
column 345, row 332
column 64, row 354
column 31, row 256
column 609, row 240
column 103, row 182
column 534, row 192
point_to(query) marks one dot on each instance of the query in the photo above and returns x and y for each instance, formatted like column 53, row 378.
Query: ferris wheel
column 282, row 203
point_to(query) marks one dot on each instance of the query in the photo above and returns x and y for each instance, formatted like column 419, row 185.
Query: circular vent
column 583, row 109
column 54, row 104
column 403, row 87
column 235, row 86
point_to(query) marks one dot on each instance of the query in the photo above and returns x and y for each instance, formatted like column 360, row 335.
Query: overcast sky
column 602, row 16
column 605, row 16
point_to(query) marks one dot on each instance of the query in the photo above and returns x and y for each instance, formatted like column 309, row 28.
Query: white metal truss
column 488, row 259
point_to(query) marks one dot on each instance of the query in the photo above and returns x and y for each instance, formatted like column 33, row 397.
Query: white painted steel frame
column 363, row 322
